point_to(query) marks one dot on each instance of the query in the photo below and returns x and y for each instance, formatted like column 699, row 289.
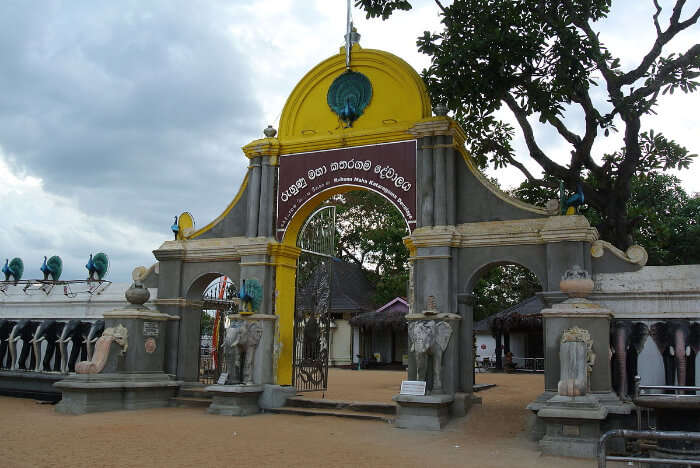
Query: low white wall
column 341, row 343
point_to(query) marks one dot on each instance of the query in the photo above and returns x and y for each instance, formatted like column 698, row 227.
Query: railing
column 603, row 457
column 529, row 364
column 209, row 371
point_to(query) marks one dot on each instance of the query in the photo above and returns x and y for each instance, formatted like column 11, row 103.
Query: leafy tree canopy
column 666, row 219
column 542, row 58
column 501, row 287
column 370, row 232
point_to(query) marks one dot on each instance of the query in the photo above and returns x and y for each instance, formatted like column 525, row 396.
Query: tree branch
column 656, row 17
column 535, row 151
column 662, row 38
column 568, row 135
column 512, row 161
column 658, row 81
column 440, row 5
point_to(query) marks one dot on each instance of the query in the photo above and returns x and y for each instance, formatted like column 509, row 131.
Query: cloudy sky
column 117, row 115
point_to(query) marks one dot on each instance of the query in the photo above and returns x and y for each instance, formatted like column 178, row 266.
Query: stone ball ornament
column 576, row 282
column 270, row 132
column 137, row 294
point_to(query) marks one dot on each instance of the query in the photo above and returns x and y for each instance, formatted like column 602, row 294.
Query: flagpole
column 348, row 39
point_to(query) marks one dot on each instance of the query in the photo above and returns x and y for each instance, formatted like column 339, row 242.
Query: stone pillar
column 254, row 197
column 426, row 181
column 572, row 417
column 267, row 198
column 451, row 183
column 466, row 312
column 440, row 183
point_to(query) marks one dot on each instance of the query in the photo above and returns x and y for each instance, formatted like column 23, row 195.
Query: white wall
column 650, row 365
column 341, row 342
column 490, row 342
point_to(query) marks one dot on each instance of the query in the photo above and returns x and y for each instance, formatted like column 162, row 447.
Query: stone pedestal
column 90, row 393
column 572, row 426
column 234, row 400
column 131, row 376
column 428, row 413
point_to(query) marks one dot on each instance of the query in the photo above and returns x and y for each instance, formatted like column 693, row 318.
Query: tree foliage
column 542, row 58
column 501, row 287
column 370, row 232
column 666, row 219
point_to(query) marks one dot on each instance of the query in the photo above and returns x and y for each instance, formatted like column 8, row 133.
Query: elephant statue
column 75, row 331
column 24, row 330
column 242, row 338
column 48, row 330
column 429, row 339
column 96, row 330
column 674, row 340
column 6, row 327
column 626, row 342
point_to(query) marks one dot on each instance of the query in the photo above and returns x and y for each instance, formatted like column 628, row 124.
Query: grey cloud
column 132, row 109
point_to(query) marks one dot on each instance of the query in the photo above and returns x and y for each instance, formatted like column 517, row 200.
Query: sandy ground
column 492, row 435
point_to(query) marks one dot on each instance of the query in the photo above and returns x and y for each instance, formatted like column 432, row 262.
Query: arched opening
column 508, row 331
column 363, row 267
column 213, row 297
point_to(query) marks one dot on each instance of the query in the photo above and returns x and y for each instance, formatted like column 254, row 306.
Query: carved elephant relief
column 429, row 340
column 240, row 343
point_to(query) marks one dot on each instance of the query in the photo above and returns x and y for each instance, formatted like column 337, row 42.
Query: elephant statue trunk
column 681, row 351
column 12, row 344
column 621, row 360
column 672, row 339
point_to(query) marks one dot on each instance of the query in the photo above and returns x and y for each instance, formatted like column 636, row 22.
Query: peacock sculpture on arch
column 13, row 269
column 97, row 266
column 52, row 267
column 251, row 296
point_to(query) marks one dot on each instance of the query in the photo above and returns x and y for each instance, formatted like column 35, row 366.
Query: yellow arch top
column 399, row 100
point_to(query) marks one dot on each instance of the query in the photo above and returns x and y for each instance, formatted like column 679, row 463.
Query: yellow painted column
column 285, row 258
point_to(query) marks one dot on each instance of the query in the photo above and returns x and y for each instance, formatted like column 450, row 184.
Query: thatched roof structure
column 525, row 316
column 350, row 289
column 391, row 315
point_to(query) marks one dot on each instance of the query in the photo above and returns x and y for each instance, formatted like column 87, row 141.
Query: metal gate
column 219, row 300
column 312, row 315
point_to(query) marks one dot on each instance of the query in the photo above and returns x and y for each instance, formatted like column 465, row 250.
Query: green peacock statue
column 52, row 267
column 13, row 269
column 251, row 296
column 97, row 266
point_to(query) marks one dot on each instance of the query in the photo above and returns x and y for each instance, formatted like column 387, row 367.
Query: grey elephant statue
column 242, row 338
column 429, row 339
column 677, row 342
column 627, row 340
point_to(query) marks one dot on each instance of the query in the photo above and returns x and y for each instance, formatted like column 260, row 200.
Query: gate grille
column 312, row 315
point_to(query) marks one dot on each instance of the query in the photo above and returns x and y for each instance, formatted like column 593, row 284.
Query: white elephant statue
column 429, row 339
column 242, row 338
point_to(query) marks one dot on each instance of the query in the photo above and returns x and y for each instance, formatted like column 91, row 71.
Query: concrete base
column 463, row 401
column 275, row 396
column 26, row 384
column 90, row 393
column 234, row 400
column 572, row 426
column 428, row 413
